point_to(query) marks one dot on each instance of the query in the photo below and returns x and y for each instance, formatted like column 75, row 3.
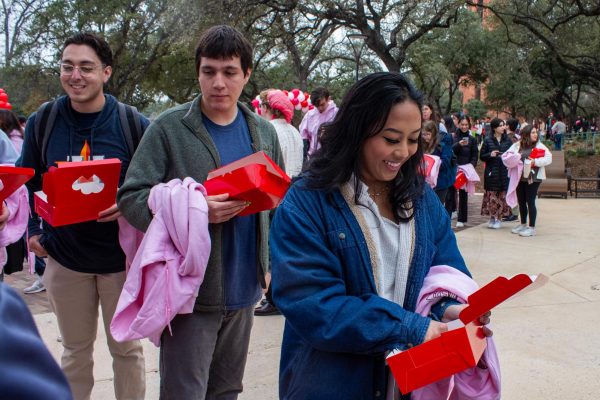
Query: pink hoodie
column 169, row 265
column 471, row 384
column 18, row 207
column 515, row 170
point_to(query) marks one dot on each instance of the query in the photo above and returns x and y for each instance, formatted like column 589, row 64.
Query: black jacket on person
column 465, row 154
column 495, row 176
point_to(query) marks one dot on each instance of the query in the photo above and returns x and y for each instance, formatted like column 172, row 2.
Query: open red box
column 463, row 345
column 427, row 164
column 255, row 178
column 77, row 191
column 12, row 178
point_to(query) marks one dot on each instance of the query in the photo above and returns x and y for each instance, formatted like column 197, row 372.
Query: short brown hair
column 224, row 42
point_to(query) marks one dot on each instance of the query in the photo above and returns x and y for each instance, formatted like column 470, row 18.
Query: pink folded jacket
column 515, row 169
column 169, row 265
column 471, row 175
column 471, row 384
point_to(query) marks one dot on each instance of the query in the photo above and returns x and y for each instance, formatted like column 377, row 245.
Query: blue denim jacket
column 337, row 328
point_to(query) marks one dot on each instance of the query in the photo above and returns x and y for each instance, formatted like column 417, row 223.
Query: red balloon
column 3, row 97
column 295, row 101
column 5, row 105
column 296, row 92
column 304, row 103
column 2, row 90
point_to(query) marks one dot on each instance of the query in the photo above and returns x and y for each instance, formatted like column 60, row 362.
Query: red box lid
column 74, row 182
column 11, row 178
column 255, row 178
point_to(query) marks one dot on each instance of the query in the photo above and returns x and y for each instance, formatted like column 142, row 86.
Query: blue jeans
column 558, row 141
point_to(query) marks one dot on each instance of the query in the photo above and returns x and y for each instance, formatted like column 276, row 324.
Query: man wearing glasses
column 86, row 265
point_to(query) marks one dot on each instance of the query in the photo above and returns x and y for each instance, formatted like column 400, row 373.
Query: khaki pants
column 74, row 297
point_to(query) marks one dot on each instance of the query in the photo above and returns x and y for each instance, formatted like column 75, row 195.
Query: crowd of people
column 372, row 221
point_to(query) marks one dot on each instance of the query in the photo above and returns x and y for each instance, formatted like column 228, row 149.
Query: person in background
column 370, row 232
column 277, row 108
column 495, row 176
column 558, row 130
column 440, row 144
column 530, row 179
column 23, row 122
column 429, row 114
column 465, row 149
column 512, row 126
column 9, row 123
column 324, row 111
column 8, row 155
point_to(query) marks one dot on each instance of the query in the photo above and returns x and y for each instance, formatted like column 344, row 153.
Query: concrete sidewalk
column 548, row 340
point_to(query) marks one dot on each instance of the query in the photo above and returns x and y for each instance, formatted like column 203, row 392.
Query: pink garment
column 17, row 140
column 431, row 179
column 474, row 383
column 169, row 265
column 18, row 208
column 279, row 101
column 515, row 171
column 312, row 121
column 472, row 177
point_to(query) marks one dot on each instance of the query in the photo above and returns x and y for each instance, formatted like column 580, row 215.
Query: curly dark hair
column 363, row 114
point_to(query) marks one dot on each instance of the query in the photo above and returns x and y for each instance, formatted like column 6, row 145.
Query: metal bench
column 593, row 188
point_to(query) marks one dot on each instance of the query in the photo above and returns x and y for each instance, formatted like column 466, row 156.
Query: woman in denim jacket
column 351, row 245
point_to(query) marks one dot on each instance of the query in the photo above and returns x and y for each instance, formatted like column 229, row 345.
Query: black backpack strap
column 131, row 123
column 44, row 122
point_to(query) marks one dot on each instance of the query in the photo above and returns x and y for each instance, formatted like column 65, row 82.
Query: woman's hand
column 434, row 330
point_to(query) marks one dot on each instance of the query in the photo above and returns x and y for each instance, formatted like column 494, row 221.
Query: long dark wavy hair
column 363, row 114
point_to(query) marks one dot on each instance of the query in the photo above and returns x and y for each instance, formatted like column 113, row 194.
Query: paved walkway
column 547, row 340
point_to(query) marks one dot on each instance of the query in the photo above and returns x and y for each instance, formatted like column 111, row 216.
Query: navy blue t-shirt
column 239, row 233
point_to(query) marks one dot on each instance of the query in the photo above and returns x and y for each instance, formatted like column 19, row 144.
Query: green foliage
column 476, row 108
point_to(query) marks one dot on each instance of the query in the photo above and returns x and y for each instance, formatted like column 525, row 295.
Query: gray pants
column 206, row 356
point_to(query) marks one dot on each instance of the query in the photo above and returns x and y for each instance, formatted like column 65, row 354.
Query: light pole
column 357, row 41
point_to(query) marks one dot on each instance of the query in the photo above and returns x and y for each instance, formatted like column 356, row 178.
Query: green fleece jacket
column 177, row 145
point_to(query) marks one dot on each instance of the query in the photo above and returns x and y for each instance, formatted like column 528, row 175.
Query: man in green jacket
column 206, row 354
